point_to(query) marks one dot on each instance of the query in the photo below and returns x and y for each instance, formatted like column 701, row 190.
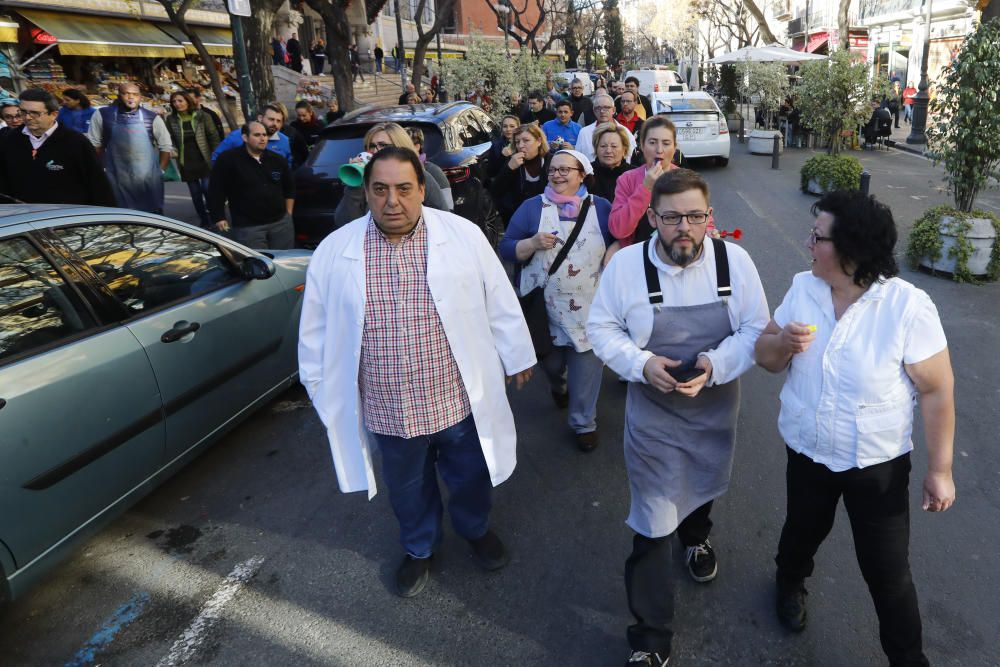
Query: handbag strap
column 564, row 251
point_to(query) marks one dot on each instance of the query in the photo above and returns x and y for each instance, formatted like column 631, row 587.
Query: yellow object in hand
column 811, row 327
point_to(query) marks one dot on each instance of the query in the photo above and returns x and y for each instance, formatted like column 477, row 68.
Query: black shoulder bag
column 533, row 303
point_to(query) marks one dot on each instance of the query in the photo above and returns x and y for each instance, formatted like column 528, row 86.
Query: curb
column 915, row 149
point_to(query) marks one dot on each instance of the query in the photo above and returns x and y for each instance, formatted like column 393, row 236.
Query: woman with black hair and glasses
column 542, row 227
column 861, row 346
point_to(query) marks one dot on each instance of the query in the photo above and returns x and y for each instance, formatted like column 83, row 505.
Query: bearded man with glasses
column 681, row 339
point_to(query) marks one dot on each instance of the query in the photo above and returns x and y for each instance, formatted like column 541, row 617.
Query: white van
column 657, row 81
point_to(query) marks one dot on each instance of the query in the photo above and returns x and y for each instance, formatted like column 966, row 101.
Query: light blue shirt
column 277, row 142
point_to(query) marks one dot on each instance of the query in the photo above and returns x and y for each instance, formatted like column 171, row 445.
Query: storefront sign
column 39, row 36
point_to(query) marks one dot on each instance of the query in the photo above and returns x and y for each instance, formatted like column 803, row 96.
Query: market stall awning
column 81, row 35
column 8, row 31
column 217, row 41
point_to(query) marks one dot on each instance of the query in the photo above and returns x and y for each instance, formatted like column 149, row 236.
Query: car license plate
column 688, row 132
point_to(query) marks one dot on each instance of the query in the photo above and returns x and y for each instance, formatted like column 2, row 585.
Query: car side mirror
column 256, row 268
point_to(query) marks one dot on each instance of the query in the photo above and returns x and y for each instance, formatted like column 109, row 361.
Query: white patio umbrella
column 682, row 69
column 773, row 53
column 694, row 82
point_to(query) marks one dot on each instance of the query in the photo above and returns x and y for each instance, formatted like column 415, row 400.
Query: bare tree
column 843, row 24
column 176, row 12
column 550, row 12
column 257, row 33
column 338, row 36
column 765, row 31
column 442, row 14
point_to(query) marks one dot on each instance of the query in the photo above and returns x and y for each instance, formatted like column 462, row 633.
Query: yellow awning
column 217, row 41
column 8, row 32
column 83, row 35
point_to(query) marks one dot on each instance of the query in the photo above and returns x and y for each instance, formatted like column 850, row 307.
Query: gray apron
column 679, row 450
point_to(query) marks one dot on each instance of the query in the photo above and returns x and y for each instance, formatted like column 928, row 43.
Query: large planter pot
column 981, row 236
column 762, row 142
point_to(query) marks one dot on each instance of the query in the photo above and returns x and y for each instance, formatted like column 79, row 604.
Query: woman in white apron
column 539, row 229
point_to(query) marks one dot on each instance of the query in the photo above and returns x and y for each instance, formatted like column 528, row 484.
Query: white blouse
column 847, row 401
column 621, row 317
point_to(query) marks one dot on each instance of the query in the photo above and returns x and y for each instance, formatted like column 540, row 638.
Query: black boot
column 790, row 603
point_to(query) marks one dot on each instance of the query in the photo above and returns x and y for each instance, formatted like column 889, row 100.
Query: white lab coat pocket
column 883, row 431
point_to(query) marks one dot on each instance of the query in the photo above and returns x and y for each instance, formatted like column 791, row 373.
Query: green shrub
column 925, row 241
column 727, row 86
column 832, row 172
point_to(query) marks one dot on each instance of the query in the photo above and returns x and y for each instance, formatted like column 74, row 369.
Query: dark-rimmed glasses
column 673, row 219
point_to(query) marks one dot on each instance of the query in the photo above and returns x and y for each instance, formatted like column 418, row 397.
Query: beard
column 680, row 256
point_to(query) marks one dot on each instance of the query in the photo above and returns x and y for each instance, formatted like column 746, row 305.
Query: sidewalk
column 899, row 136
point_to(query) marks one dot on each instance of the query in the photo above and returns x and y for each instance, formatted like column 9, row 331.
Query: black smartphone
column 686, row 374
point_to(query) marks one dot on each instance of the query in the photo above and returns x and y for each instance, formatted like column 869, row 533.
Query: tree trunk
column 338, row 37
column 765, row 31
column 213, row 75
column 843, row 26
column 257, row 31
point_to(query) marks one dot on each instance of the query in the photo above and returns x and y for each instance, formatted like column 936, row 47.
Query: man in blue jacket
column 272, row 118
column 562, row 132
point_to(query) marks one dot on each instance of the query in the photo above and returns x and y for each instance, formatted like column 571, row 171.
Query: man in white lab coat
column 409, row 328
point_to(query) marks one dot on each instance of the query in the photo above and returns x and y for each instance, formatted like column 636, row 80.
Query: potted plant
column 824, row 173
column 965, row 138
column 729, row 92
column 768, row 84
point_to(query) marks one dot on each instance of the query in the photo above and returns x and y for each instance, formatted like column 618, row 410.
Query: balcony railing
column 873, row 8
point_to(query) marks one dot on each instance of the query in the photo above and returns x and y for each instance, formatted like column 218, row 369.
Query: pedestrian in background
column 908, row 94
column 565, row 222
column 333, row 112
column 135, row 145
column 409, row 327
column 583, row 108
column 194, row 138
column 628, row 116
column 294, row 50
column 524, row 174
column 355, row 59
column 536, row 111
column 677, row 316
column 604, row 109
column 503, row 146
column 45, row 162
column 76, row 111
column 562, row 132
column 861, row 347
column 610, row 141
column 272, row 117
column 379, row 57
column 258, row 186
column 317, row 56
column 199, row 103
column 10, row 112
column 307, row 124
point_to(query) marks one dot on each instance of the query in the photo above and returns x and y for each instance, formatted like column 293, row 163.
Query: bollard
column 741, row 129
column 866, row 181
column 775, row 152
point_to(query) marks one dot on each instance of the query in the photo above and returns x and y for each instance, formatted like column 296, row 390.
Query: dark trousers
column 408, row 466
column 199, row 196
column 649, row 582
column 878, row 503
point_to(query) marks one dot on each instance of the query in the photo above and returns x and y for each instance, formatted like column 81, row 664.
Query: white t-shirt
column 847, row 401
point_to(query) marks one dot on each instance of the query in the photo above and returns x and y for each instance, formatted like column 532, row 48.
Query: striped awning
column 83, row 35
column 8, row 31
column 217, row 41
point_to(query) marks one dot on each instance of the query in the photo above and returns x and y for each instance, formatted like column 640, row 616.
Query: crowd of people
column 121, row 154
column 617, row 263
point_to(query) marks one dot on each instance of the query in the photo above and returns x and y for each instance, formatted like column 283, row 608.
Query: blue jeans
column 199, row 195
column 408, row 466
column 579, row 373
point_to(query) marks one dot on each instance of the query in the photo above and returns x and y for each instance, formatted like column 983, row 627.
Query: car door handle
column 180, row 330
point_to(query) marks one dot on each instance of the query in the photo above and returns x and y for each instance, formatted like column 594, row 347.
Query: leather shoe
column 790, row 603
column 412, row 576
column 587, row 442
column 490, row 552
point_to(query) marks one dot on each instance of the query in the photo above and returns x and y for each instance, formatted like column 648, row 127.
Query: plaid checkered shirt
column 410, row 382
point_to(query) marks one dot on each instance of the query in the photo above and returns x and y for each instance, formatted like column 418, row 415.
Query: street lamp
column 918, row 124
column 504, row 8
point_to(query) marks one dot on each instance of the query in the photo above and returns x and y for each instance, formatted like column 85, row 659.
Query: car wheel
column 722, row 161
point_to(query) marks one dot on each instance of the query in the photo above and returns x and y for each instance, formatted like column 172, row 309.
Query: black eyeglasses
column 376, row 147
column 815, row 238
column 11, row 116
column 672, row 219
column 563, row 171
column 33, row 114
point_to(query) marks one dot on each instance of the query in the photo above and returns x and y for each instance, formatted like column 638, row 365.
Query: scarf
column 534, row 167
column 569, row 205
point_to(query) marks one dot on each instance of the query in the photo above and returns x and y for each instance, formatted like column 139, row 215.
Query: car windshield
column 684, row 105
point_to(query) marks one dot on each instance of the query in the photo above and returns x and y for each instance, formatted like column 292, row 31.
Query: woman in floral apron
column 537, row 232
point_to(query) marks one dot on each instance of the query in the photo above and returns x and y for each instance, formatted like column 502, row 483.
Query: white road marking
column 189, row 641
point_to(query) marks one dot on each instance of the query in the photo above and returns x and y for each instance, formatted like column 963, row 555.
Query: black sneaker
column 561, row 399
column 412, row 576
column 490, row 552
column 587, row 442
column 701, row 562
column 790, row 603
column 645, row 659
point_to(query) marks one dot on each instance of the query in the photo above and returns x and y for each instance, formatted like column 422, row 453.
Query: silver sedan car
column 128, row 342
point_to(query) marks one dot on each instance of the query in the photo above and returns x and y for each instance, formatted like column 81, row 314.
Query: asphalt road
column 251, row 556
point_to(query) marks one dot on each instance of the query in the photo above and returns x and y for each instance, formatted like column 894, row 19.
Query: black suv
column 457, row 138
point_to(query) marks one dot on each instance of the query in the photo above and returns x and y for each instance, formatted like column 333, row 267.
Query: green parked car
column 128, row 342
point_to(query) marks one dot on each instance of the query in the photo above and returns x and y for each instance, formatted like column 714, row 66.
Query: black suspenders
column 721, row 272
